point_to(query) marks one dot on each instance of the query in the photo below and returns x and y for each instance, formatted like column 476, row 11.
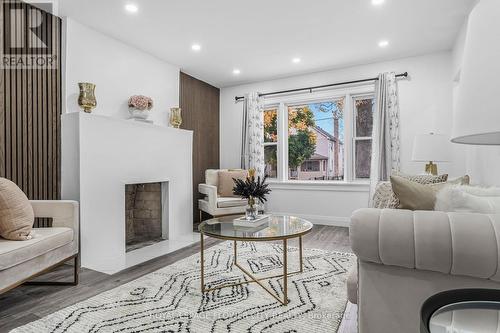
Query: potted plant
column 139, row 106
column 252, row 190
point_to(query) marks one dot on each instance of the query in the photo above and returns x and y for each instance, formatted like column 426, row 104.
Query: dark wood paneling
column 30, row 106
column 200, row 113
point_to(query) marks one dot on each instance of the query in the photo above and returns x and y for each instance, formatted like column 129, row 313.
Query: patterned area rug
column 169, row 300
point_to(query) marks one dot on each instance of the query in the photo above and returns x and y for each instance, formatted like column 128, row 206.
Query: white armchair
column 49, row 247
column 212, row 203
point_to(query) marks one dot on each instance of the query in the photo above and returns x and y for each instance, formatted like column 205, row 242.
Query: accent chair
column 214, row 204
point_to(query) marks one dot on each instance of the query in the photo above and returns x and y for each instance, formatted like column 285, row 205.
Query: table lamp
column 476, row 118
column 431, row 148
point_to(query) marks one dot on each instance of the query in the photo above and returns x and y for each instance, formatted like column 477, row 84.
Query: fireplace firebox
column 143, row 215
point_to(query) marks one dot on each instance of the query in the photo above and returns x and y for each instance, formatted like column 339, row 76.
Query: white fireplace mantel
column 99, row 156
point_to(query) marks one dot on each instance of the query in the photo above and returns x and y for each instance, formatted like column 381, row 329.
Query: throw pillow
column 16, row 213
column 226, row 183
column 384, row 196
column 470, row 199
column 414, row 196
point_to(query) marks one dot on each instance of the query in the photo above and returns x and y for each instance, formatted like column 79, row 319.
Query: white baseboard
column 336, row 221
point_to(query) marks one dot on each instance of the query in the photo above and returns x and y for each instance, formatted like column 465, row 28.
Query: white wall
column 119, row 71
column 482, row 162
column 426, row 105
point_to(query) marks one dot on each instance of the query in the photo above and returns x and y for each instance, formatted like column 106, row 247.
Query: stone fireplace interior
column 143, row 215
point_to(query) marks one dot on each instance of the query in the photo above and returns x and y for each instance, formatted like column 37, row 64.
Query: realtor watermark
column 313, row 315
column 27, row 41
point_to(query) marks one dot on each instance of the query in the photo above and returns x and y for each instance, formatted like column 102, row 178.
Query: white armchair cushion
column 225, row 202
column 44, row 240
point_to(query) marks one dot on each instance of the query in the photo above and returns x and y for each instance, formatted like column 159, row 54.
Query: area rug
column 169, row 300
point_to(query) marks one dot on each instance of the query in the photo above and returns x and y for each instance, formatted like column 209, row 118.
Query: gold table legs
column 253, row 278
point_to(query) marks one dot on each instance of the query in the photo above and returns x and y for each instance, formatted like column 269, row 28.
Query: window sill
column 337, row 186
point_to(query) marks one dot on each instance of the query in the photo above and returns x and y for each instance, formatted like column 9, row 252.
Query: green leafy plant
column 251, row 189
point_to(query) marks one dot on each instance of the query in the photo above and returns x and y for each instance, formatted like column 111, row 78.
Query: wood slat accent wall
column 200, row 112
column 30, row 106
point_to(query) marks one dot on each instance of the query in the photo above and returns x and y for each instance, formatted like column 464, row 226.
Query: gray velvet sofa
column 404, row 257
column 49, row 247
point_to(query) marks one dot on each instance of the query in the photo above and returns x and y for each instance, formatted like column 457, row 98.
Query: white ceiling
column 260, row 37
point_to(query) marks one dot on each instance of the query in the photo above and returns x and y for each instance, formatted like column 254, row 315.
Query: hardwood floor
column 28, row 303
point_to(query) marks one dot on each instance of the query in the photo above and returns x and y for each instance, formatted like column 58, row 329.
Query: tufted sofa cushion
column 464, row 244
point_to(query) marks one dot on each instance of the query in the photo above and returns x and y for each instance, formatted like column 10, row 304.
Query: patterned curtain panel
column 252, row 150
column 386, row 138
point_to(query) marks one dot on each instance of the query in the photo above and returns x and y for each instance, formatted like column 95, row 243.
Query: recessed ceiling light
column 377, row 2
column 236, row 71
column 383, row 43
column 296, row 60
column 131, row 8
column 196, row 47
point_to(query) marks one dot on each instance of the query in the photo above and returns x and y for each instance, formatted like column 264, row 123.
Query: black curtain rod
column 310, row 89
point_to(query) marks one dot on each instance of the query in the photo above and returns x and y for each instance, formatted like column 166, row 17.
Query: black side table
column 470, row 310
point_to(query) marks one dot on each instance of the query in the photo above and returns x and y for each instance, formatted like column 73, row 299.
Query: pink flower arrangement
column 140, row 102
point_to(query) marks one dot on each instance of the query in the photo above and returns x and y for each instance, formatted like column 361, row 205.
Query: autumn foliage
column 301, row 139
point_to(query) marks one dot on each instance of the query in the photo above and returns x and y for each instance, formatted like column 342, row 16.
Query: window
column 363, row 110
column 316, row 133
column 310, row 166
column 319, row 136
column 271, row 141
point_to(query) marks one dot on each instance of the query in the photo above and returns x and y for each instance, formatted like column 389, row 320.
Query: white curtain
column 386, row 138
column 252, row 149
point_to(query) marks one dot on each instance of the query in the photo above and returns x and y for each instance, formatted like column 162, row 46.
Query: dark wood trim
column 30, row 110
column 200, row 113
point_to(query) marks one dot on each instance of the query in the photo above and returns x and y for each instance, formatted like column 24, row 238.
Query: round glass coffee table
column 278, row 228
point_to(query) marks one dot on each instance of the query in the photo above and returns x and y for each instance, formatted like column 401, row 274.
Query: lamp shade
column 477, row 111
column 431, row 147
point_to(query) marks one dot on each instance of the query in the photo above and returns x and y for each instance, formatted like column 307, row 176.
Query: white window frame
column 355, row 136
column 270, row 107
column 284, row 101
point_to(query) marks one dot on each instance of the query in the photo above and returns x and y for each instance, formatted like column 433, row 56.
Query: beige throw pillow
column 384, row 196
column 415, row 196
column 226, row 183
column 16, row 213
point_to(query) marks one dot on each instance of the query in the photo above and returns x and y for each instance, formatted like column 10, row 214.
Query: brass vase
column 175, row 117
column 87, row 100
